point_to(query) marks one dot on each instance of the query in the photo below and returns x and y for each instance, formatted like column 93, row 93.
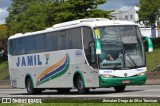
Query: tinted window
column 88, row 42
column 12, row 46
column 20, row 46
column 40, row 43
column 30, row 44
column 128, row 34
column 63, row 40
column 87, row 37
column 51, row 41
column 75, row 38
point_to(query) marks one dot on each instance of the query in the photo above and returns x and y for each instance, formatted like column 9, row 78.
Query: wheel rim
column 80, row 84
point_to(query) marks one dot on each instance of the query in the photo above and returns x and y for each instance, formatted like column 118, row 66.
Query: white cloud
column 116, row 4
column 3, row 15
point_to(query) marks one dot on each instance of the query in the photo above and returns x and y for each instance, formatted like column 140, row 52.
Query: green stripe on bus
column 57, row 75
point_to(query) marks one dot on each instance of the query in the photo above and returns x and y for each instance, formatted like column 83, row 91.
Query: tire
column 63, row 90
column 30, row 89
column 80, row 86
column 120, row 88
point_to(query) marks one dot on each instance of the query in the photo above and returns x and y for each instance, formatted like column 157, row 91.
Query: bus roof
column 91, row 22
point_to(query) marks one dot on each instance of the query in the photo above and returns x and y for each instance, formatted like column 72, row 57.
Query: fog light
column 106, row 75
column 141, row 74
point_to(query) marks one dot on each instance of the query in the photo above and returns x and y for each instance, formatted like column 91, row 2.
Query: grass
column 3, row 69
column 86, row 104
column 152, row 59
column 4, row 64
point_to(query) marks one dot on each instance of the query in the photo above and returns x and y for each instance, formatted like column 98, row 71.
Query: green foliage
column 33, row 18
column 26, row 16
column 97, row 13
column 3, row 69
column 74, row 9
column 147, row 11
column 32, row 15
column 3, row 42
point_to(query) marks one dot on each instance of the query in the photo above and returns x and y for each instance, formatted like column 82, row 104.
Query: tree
column 32, row 19
column 26, row 16
column 147, row 11
column 3, row 41
column 32, row 15
column 68, row 10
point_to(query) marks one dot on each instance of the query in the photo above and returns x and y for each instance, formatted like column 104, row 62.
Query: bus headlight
column 106, row 75
column 141, row 74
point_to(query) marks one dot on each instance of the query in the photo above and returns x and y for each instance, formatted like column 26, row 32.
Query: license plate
column 126, row 81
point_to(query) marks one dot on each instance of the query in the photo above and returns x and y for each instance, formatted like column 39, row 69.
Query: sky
column 109, row 5
column 4, row 4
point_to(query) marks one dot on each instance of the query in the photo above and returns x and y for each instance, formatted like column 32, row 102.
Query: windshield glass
column 121, row 47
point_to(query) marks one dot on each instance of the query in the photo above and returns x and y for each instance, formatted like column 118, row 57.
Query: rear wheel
column 63, row 90
column 30, row 89
column 81, row 87
column 120, row 88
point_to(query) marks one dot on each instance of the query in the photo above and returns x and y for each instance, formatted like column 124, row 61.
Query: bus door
column 94, row 66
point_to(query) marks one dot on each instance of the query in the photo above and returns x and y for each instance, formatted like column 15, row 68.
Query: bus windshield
column 121, row 47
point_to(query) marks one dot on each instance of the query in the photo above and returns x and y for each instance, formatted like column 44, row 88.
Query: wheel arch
column 28, row 76
column 76, row 74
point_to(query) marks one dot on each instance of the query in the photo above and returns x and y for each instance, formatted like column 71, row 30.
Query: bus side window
column 63, row 42
column 30, row 44
column 75, row 38
column 20, row 46
column 12, row 47
column 51, row 41
column 40, row 43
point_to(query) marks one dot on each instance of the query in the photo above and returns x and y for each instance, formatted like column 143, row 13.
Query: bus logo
column 28, row 61
column 125, row 74
column 47, row 57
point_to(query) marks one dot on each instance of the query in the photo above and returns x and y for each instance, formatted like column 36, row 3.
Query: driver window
column 89, row 49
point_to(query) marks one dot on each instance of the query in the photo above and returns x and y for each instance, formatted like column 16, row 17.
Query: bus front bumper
column 111, row 82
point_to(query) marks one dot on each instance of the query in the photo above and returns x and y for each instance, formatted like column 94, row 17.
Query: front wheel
column 81, row 87
column 120, row 88
column 30, row 89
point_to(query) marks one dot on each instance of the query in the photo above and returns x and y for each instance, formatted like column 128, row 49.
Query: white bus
column 83, row 54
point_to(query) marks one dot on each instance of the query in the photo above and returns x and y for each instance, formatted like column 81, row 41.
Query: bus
column 83, row 54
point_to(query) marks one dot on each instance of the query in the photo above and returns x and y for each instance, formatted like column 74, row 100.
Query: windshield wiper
column 131, row 59
column 126, row 54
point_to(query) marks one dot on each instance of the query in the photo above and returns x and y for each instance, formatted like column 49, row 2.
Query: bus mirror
column 97, row 33
column 98, row 47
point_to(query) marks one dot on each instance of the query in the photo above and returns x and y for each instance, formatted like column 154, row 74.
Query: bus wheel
column 30, row 89
column 120, row 88
column 80, row 86
column 63, row 90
